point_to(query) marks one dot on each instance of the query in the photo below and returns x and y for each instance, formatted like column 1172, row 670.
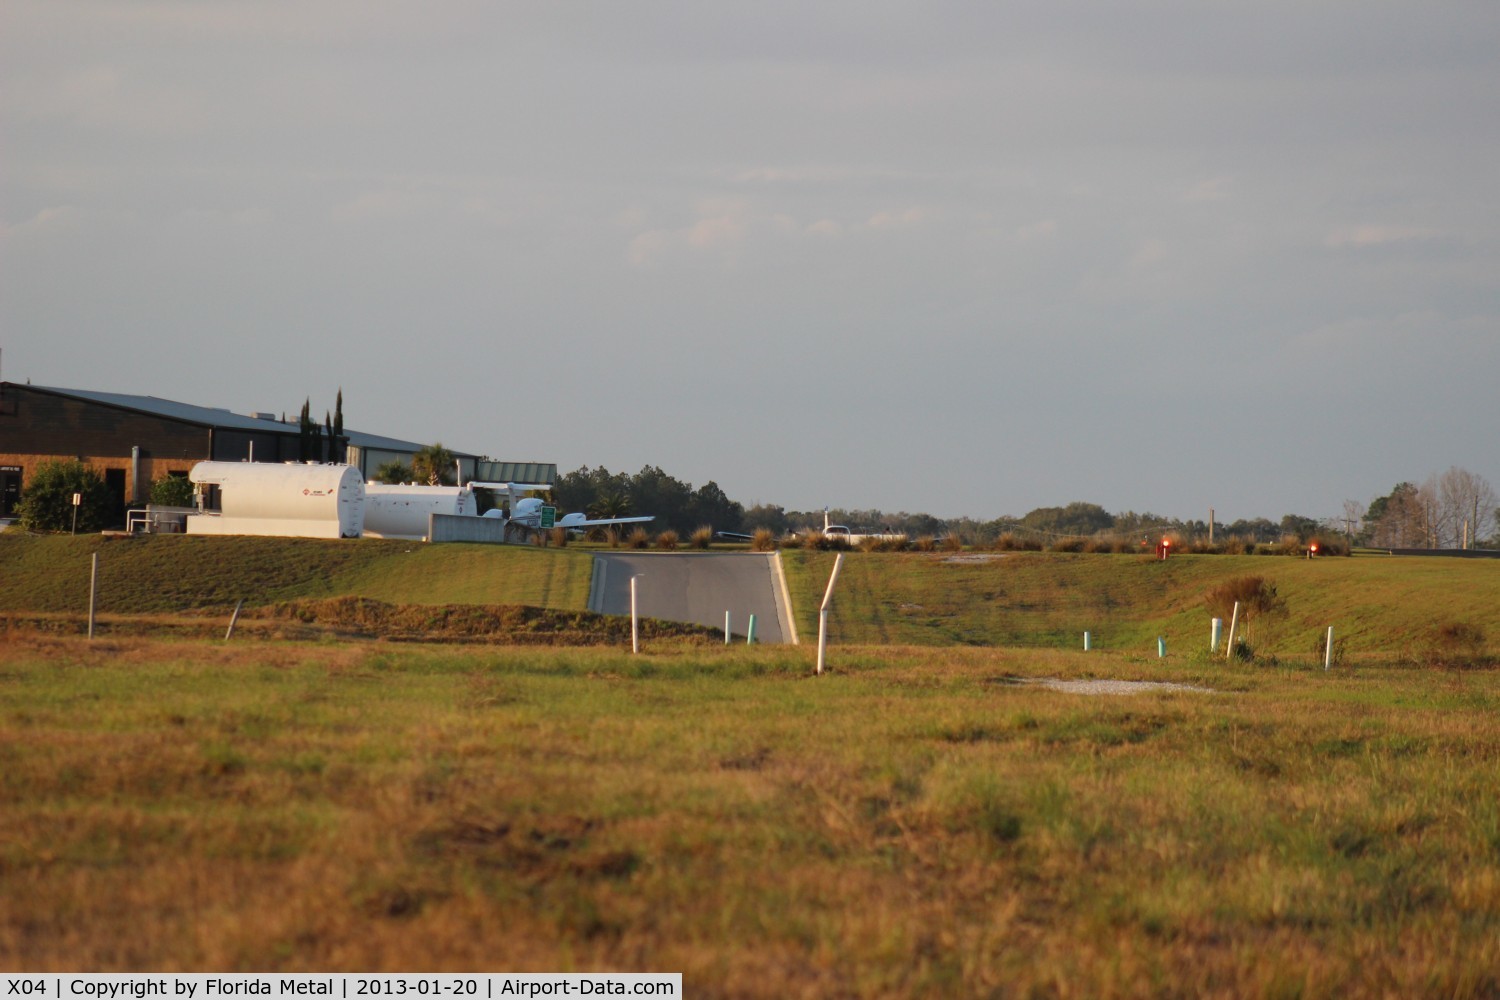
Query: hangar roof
column 213, row 416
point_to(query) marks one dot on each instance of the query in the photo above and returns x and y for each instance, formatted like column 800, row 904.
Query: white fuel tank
column 401, row 511
column 312, row 501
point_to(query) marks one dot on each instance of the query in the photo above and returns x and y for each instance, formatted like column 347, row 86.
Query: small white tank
column 401, row 511
column 311, row 501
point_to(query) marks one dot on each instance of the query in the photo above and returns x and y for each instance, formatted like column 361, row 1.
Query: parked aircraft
column 530, row 513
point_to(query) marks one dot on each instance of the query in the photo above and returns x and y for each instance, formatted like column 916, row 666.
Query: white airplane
column 531, row 513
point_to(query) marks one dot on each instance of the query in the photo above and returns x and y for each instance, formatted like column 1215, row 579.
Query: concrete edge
column 784, row 602
column 599, row 567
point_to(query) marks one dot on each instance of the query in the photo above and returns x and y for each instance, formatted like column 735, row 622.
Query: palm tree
column 434, row 465
column 610, row 505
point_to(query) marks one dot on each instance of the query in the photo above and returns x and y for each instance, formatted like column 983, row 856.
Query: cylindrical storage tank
column 319, row 501
column 401, row 511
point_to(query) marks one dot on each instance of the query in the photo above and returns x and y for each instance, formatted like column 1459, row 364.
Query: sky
column 963, row 258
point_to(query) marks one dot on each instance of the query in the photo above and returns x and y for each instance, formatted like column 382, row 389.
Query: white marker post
column 726, row 628
column 1234, row 619
column 1328, row 650
column 635, row 628
column 838, row 564
column 93, row 588
column 1215, row 630
column 77, row 499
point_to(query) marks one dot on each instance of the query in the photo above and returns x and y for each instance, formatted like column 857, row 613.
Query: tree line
column 1455, row 509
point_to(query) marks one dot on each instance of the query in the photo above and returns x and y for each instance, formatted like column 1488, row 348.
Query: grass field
column 1378, row 605
column 171, row 573
column 914, row 823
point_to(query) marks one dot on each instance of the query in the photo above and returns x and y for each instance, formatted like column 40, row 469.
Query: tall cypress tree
column 340, row 445
column 305, row 428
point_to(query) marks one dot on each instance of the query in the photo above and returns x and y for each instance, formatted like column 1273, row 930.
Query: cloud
column 720, row 229
column 1376, row 235
column 896, row 219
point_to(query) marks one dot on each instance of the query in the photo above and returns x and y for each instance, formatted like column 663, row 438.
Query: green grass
column 167, row 573
column 1375, row 604
column 912, row 824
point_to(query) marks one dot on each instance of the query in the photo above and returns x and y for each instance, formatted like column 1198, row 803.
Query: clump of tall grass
column 763, row 540
column 638, row 539
column 1009, row 541
column 1254, row 594
column 824, row 542
column 1457, row 645
column 952, row 543
column 894, row 543
column 667, row 540
column 1072, row 543
column 559, row 537
column 702, row 538
column 925, row 543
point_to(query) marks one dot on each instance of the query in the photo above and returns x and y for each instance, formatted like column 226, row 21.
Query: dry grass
column 912, row 824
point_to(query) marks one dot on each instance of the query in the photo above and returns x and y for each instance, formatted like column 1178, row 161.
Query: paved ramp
column 697, row 587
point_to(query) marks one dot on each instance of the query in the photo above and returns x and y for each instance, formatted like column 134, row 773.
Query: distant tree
column 1076, row 518
column 580, row 489
column 761, row 515
column 340, row 443
column 1295, row 524
column 434, row 465
column 1254, row 530
column 1397, row 520
column 172, row 491
column 47, row 501
column 309, row 435
column 709, row 505
column 1467, row 505
column 393, row 472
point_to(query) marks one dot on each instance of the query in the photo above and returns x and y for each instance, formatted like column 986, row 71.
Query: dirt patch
column 1098, row 687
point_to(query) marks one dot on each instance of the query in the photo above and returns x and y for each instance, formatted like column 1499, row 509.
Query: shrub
column 788, row 541
column 925, row 543
column 825, row 543
column 172, row 491
column 1010, row 542
column 667, row 540
column 47, row 502
column 1071, row 544
column 638, row 539
column 1255, row 595
column 1456, row 644
column 559, row 537
column 952, row 543
column 763, row 540
column 1290, row 545
column 702, row 538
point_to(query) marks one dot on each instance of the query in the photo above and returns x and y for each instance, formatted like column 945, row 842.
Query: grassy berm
column 1414, row 609
column 915, row 823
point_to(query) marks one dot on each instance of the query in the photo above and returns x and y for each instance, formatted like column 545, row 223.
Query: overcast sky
column 970, row 259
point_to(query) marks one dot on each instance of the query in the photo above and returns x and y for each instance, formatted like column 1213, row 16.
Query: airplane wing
column 579, row 521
